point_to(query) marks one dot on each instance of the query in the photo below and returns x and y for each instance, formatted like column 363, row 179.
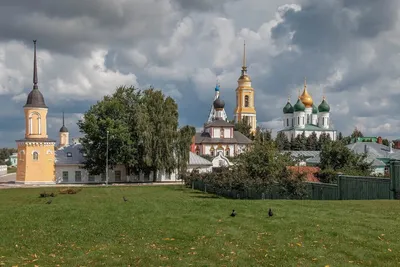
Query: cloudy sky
column 349, row 50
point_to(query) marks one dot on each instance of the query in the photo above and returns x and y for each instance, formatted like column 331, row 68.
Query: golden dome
column 305, row 97
column 245, row 78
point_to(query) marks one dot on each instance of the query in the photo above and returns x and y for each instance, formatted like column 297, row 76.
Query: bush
column 44, row 194
column 327, row 176
column 69, row 190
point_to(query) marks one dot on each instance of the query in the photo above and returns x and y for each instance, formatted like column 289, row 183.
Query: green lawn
column 11, row 169
column 168, row 226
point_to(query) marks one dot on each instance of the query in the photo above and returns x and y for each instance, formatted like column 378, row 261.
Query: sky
column 349, row 50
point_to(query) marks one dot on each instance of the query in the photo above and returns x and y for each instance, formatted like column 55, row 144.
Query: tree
column 356, row 133
column 299, row 142
column 263, row 164
column 143, row 133
column 107, row 115
column 385, row 142
column 312, row 142
column 324, row 138
column 262, row 134
column 243, row 127
column 282, row 142
column 5, row 153
column 340, row 136
column 183, row 142
column 336, row 157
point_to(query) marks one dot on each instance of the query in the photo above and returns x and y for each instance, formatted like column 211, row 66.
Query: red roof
column 308, row 170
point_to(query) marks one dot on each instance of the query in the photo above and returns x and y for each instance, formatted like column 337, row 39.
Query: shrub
column 44, row 194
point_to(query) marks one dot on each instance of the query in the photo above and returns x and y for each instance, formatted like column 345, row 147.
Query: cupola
column 288, row 108
column 324, row 107
column 299, row 106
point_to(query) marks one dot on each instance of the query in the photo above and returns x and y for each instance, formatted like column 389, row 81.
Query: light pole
column 107, row 160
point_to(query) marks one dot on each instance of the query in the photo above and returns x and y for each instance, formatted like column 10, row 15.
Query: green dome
column 288, row 108
column 299, row 106
column 324, row 107
column 314, row 109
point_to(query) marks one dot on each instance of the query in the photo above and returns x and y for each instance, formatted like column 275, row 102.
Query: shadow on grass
column 208, row 197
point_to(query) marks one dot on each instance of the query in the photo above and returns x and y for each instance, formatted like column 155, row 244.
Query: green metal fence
column 355, row 187
column 348, row 187
column 322, row 191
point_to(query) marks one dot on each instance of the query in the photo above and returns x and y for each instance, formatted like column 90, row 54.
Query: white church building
column 305, row 117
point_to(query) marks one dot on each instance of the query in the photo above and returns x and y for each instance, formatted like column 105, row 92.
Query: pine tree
column 312, row 142
column 282, row 142
column 340, row 136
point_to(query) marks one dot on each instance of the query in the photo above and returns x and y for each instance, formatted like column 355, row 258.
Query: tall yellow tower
column 36, row 150
column 245, row 109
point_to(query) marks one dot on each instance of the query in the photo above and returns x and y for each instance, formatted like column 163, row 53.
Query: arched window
column 212, row 152
column 323, row 121
column 287, row 122
column 308, row 118
column 198, row 150
column 222, row 132
column 246, row 101
column 227, row 152
column 35, row 123
column 298, row 120
column 35, row 155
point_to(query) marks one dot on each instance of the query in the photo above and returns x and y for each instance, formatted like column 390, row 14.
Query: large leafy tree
column 299, row 142
column 336, row 157
column 143, row 132
column 324, row 138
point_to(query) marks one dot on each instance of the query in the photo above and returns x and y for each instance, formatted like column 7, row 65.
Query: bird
column 233, row 214
column 125, row 200
column 270, row 214
column 49, row 202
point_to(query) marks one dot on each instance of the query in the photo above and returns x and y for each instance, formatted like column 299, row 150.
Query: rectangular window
column 118, row 176
column 78, row 176
column 65, row 176
column 103, row 177
column 92, row 178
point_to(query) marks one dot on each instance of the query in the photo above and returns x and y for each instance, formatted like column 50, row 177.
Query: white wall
column 71, row 169
column 207, row 149
column 201, row 169
column 288, row 134
column 3, row 169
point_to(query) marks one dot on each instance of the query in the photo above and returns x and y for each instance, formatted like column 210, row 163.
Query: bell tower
column 245, row 109
column 64, row 135
column 36, row 151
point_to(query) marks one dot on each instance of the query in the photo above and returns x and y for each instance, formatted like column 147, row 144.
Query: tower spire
column 63, row 119
column 35, row 76
column 305, row 83
column 244, row 67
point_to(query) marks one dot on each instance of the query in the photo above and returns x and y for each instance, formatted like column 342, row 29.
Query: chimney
column 379, row 140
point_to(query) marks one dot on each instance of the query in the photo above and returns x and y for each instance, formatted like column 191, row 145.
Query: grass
column 11, row 169
column 171, row 226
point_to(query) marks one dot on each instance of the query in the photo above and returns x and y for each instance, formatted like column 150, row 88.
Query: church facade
column 305, row 117
column 218, row 137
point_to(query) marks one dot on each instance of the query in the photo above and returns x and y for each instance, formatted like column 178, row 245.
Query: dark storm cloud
column 78, row 26
column 202, row 5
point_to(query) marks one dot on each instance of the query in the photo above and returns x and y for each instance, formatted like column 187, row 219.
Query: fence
column 348, row 187
column 3, row 169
